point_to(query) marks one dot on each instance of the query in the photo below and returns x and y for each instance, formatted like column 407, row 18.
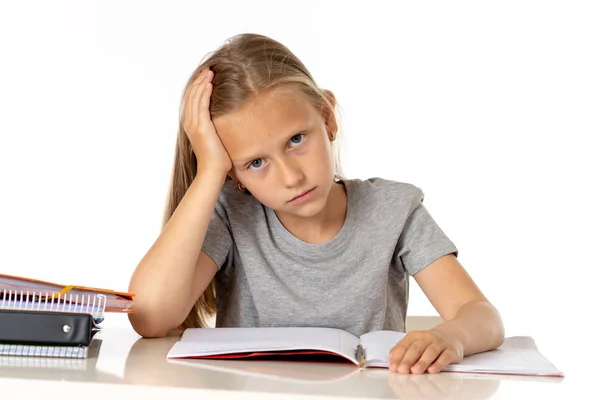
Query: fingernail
column 393, row 367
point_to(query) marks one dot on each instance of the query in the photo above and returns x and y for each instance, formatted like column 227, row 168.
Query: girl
column 262, row 229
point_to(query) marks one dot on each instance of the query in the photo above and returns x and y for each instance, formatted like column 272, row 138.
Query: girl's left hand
column 421, row 351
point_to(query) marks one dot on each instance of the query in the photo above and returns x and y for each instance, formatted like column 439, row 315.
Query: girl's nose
column 291, row 173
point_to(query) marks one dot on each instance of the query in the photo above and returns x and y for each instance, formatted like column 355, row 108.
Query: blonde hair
column 244, row 66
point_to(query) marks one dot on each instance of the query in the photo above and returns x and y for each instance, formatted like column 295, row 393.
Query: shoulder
column 385, row 192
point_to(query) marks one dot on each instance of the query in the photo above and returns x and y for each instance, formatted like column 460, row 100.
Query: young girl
column 262, row 229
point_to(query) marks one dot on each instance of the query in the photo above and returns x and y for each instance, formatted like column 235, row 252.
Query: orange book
column 115, row 301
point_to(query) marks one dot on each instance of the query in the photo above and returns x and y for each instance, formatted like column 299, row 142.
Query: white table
column 123, row 363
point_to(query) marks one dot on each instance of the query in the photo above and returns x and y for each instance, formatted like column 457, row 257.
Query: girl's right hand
column 199, row 128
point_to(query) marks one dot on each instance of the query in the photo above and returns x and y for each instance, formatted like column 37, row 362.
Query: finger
column 205, row 89
column 205, row 102
column 195, row 84
column 398, row 351
column 188, row 114
column 443, row 360
column 191, row 99
column 411, row 356
column 202, row 78
column 196, row 94
column 430, row 354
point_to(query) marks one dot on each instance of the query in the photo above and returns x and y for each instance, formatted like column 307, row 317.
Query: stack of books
column 44, row 319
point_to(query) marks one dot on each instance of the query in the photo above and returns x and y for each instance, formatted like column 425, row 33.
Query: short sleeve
column 218, row 242
column 422, row 241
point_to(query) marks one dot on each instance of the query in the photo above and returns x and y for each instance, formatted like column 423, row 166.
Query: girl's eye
column 256, row 164
column 294, row 142
column 297, row 139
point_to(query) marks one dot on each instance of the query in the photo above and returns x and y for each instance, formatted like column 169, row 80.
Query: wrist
column 213, row 173
column 453, row 332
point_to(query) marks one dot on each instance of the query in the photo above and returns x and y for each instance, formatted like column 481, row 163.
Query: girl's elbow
column 499, row 332
column 148, row 329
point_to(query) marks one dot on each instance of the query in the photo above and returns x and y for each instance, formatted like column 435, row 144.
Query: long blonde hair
column 244, row 66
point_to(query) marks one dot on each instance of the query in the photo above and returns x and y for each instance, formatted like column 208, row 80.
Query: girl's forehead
column 278, row 101
column 267, row 117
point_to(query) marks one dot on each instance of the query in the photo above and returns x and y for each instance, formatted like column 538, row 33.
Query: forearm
column 168, row 267
column 477, row 325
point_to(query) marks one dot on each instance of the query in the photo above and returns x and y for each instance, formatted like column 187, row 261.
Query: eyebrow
column 300, row 128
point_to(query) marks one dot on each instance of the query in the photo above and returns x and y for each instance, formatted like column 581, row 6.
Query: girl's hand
column 208, row 148
column 421, row 351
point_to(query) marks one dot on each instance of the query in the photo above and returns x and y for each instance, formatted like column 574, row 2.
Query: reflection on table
column 119, row 356
column 51, row 368
column 146, row 365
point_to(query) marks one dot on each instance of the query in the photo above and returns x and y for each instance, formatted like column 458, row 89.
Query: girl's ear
column 329, row 116
column 236, row 181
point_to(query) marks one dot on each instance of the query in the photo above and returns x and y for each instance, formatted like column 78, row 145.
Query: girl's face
column 280, row 149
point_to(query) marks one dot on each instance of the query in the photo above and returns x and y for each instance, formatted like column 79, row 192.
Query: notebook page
column 517, row 355
column 377, row 346
column 213, row 341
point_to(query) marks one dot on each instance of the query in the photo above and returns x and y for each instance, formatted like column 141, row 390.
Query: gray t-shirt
column 357, row 281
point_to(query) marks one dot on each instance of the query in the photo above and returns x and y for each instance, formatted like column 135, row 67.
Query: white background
column 491, row 109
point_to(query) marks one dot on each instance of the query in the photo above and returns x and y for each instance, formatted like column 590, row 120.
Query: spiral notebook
column 115, row 301
column 49, row 324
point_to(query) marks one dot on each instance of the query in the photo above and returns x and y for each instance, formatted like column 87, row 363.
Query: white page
column 517, row 355
column 377, row 347
column 214, row 341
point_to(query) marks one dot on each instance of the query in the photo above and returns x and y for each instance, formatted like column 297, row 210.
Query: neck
column 323, row 226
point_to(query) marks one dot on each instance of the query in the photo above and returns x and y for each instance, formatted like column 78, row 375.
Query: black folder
column 46, row 328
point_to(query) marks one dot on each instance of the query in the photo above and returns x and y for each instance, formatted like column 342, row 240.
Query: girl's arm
column 471, row 324
column 468, row 315
column 175, row 272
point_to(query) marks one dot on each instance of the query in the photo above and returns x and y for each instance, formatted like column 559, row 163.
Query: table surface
column 121, row 362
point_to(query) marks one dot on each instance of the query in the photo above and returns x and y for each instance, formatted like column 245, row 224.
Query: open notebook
column 517, row 355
